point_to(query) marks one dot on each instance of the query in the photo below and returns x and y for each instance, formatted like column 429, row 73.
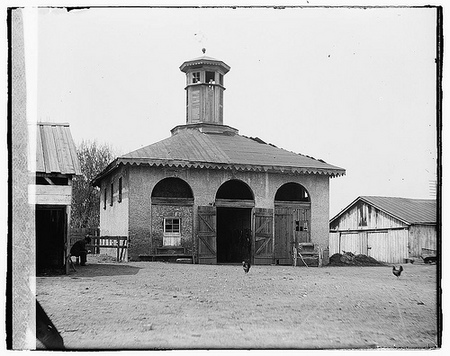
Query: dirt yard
column 155, row 305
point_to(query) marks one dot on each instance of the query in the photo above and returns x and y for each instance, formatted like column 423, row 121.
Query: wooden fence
column 120, row 243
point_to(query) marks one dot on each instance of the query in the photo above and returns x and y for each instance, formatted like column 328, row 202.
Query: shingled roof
column 410, row 211
column 193, row 148
column 55, row 149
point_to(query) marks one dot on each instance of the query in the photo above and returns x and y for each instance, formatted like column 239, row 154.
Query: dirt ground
column 156, row 305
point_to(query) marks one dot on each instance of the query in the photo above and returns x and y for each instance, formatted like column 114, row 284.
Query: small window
column 172, row 232
column 104, row 198
column 195, row 77
column 120, row 190
column 210, row 78
column 171, row 226
column 112, row 194
column 220, row 79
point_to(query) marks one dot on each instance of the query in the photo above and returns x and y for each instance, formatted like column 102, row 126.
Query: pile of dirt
column 350, row 259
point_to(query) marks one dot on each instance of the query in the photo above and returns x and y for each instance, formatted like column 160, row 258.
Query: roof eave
column 215, row 165
column 109, row 168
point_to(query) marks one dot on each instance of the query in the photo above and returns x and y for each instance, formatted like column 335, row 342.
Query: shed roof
column 410, row 211
column 55, row 149
column 191, row 147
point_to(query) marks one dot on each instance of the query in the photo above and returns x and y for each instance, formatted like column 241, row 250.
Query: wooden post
column 67, row 239
column 295, row 256
column 118, row 248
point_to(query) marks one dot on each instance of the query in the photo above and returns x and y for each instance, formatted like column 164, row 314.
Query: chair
column 70, row 262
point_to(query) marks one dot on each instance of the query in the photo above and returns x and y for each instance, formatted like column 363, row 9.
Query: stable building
column 51, row 192
column 212, row 195
column 389, row 229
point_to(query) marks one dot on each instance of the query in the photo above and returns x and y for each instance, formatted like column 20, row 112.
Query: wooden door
column 263, row 236
column 206, row 232
column 284, row 235
column 377, row 245
column 302, row 222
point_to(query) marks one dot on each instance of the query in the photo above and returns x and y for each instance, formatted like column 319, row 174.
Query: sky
column 352, row 86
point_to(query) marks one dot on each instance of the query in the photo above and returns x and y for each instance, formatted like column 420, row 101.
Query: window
column 104, row 198
column 171, row 226
column 120, row 190
column 195, row 77
column 220, row 79
column 172, row 232
column 112, row 194
column 210, row 77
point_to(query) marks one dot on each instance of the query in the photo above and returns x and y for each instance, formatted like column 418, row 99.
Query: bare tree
column 86, row 198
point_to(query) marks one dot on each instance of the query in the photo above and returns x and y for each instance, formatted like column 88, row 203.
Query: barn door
column 263, row 236
column 302, row 221
column 206, row 232
column 284, row 235
column 377, row 246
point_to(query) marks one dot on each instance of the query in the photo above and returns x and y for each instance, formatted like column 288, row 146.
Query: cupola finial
column 203, row 50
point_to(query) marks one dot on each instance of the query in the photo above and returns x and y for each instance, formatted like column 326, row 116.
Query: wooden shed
column 51, row 192
column 212, row 195
column 388, row 229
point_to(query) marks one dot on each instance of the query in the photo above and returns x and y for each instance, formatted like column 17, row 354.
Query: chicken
column 246, row 266
column 397, row 271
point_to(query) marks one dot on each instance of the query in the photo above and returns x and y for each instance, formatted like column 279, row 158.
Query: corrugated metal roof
column 192, row 148
column 411, row 211
column 55, row 150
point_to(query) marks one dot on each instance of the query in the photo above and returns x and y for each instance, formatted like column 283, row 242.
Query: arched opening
column 292, row 220
column 292, row 192
column 234, row 203
column 234, row 189
column 172, row 188
column 172, row 214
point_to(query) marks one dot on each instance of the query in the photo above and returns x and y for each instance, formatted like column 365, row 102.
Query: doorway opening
column 50, row 237
column 233, row 235
column 234, row 202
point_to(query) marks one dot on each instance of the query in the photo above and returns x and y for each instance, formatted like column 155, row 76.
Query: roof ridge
column 259, row 140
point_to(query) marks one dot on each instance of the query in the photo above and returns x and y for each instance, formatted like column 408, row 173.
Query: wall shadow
column 93, row 270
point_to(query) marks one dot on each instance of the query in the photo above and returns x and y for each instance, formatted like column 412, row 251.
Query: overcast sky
column 354, row 87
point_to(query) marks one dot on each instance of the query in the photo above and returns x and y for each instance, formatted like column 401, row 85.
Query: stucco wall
column 204, row 184
column 114, row 218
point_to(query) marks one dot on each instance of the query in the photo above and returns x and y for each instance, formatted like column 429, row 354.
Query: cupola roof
column 202, row 61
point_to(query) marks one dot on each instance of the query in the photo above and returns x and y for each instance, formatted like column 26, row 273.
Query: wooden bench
column 168, row 254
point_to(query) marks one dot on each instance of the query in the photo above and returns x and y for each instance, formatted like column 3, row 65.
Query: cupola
column 204, row 90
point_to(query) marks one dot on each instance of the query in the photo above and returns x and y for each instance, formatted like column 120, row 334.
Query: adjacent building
column 51, row 192
column 388, row 229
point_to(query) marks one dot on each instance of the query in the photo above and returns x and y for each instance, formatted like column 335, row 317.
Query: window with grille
column 195, row 77
column 172, row 232
column 171, row 226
